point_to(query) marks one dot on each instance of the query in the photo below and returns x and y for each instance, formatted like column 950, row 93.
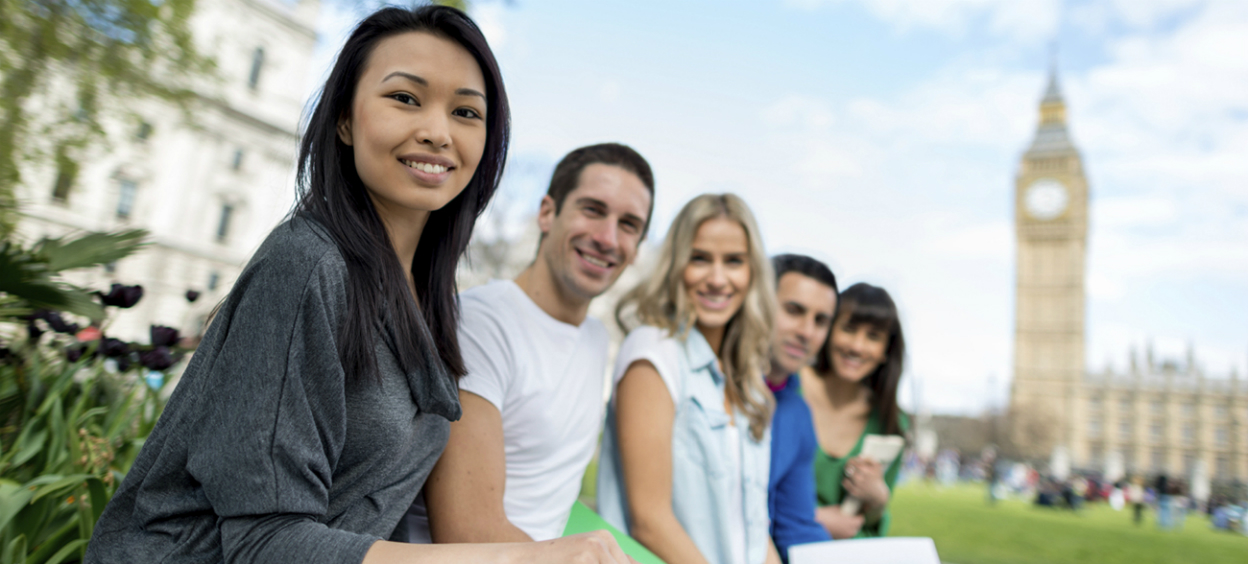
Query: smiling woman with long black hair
column 323, row 392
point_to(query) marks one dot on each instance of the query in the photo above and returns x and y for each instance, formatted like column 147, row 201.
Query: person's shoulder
column 297, row 255
column 648, row 336
column 299, row 246
column 492, row 291
column 490, row 307
column 654, row 344
column 790, row 396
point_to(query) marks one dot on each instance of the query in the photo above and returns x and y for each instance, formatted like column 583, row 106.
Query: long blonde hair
column 662, row 301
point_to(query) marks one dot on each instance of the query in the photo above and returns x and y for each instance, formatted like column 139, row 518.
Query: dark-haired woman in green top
column 852, row 393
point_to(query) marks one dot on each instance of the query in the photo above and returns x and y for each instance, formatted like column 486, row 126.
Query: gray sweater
column 263, row 453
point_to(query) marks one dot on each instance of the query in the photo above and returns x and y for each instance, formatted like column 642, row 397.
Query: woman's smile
column 428, row 169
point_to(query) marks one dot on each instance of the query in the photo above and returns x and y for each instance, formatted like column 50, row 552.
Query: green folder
column 584, row 520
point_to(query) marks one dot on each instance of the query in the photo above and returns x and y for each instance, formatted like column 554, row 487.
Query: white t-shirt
column 545, row 377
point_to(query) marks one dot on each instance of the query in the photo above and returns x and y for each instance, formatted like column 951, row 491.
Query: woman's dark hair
column 871, row 305
column 331, row 192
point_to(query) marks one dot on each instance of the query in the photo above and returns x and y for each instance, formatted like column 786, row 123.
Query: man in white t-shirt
column 532, row 398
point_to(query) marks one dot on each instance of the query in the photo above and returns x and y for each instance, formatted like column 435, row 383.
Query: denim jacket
column 701, row 483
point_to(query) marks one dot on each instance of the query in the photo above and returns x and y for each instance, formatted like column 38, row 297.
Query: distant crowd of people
column 1169, row 500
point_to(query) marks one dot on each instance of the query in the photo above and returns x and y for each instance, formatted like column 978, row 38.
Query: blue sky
column 883, row 137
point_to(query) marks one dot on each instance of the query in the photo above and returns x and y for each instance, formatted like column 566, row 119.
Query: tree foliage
column 66, row 64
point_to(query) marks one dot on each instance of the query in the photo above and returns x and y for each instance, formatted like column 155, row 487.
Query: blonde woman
column 685, row 453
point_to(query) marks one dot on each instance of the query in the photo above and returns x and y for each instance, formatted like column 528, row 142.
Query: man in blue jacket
column 806, row 292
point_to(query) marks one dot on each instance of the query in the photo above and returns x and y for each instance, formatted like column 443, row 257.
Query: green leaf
column 13, row 498
column 81, row 420
column 27, row 278
column 91, row 249
column 99, row 498
column 53, row 543
column 29, row 284
column 16, row 551
column 61, row 485
column 29, row 447
column 64, row 553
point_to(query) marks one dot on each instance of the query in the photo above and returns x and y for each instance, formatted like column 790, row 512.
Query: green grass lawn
column 968, row 531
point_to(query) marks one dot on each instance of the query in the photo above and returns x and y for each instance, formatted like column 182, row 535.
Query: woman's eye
column 405, row 99
column 698, row 259
column 467, row 113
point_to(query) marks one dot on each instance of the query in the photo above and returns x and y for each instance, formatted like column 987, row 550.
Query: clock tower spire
column 1051, row 224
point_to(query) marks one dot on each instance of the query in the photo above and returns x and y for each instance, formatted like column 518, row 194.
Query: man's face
column 802, row 323
column 595, row 236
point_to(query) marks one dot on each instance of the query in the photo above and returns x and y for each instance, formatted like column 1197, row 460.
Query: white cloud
column 1101, row 287
column 1019, row 21
column 609, row 92
column 1131, row 211
column 489, row 17
column 1148, row 14
column 991, row 240
column 802, row 111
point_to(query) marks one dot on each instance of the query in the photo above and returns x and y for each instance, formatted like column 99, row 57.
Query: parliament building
column 1158, row 416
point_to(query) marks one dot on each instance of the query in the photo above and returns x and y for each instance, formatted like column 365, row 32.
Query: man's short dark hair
column 806, row 266
column 568, row 171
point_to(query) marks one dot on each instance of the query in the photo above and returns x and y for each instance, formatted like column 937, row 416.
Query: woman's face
column 417, row 125
column 718, row 273
column 857, row 350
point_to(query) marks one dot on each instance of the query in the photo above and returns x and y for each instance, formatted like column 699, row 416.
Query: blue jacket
column 791, row 489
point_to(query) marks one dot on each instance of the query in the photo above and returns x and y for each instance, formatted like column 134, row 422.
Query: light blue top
column 728, row 527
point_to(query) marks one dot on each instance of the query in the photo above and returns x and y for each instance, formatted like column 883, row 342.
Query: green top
column 830, row 472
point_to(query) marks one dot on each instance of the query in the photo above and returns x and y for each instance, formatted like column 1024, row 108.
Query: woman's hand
column 864, row 479
column 838, row 525
column 594, row 547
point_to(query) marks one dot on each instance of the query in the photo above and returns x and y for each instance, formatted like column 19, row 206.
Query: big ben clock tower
column 1051, row 221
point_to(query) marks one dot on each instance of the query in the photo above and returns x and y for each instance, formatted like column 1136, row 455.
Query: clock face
column 1046, row 199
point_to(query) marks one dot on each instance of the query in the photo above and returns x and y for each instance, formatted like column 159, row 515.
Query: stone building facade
column 1157, row 417
column 1163, row 417
column 209, row 189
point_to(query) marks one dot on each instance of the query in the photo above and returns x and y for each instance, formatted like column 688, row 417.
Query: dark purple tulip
column 164, row 336
column 123, row 363
column 73, row 353
column 157, row 358
column 192, row 295
column 113, row 348
column 122, row 296
column 58, row 324
column 33, row 329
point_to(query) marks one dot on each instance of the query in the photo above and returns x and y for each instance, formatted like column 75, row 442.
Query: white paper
column 882, row 449
column 887, row 550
